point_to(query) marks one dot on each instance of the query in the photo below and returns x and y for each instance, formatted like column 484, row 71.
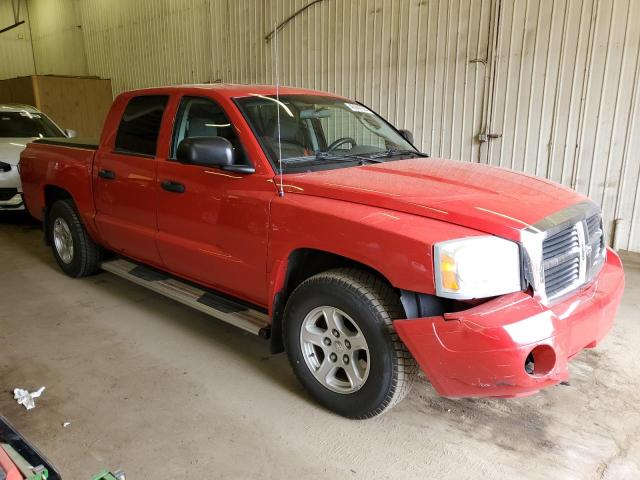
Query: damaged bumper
column 513, row 345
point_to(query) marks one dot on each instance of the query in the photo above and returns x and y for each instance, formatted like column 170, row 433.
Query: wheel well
column 303, row 264
column 51, row 195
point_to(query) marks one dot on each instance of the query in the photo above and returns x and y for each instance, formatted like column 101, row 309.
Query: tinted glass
column 140, row 125
column 201, row 117
column 26, row 125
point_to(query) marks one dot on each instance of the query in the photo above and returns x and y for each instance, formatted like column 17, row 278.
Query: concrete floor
column 161, row 391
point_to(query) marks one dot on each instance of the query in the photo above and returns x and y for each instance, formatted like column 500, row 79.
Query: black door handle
column 171, row 186
column 107, row 174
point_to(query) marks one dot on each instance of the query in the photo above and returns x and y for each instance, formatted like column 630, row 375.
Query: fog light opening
column 540, row 361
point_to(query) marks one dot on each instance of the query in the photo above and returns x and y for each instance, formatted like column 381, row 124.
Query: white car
column 19, row 125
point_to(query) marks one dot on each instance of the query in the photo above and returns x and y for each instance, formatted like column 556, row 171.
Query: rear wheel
column 76, row 253
column 342, row 345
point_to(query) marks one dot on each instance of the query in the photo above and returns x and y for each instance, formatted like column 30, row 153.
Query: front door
column 125, row 181
column 212, row 224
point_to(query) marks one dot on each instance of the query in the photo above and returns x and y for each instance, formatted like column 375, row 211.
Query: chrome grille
column 596, row 236
column 561, row 260
column 560, row 243
column 564, row 251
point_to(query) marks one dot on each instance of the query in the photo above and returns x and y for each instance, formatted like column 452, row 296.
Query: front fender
column 395, row 244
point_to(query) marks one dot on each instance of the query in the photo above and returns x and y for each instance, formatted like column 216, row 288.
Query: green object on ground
column 29, row 472
column 104, row 475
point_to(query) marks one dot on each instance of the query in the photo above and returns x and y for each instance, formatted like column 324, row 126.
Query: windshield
column 321, row 132
column 26, row 125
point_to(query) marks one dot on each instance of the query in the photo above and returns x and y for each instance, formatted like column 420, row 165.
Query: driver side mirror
column 205, row 151
column 71, row 133
column 210, row 152
column 407, row 135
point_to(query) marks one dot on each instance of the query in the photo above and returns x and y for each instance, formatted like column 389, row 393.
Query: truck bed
column 64, row 163
column 85, row 143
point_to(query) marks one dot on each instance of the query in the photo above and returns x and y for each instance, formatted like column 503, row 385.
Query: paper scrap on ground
column 25, row 398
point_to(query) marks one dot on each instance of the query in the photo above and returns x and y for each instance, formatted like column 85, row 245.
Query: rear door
column 126, row 191
column 212, row 229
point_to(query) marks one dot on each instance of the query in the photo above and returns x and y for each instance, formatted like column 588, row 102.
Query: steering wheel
column 341, row 141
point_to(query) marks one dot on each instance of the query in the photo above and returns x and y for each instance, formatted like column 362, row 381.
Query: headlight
column 476, row 267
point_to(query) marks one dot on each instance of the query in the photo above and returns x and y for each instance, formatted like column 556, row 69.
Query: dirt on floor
column 162, row 391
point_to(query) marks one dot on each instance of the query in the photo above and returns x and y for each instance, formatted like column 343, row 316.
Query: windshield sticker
column 354, row 107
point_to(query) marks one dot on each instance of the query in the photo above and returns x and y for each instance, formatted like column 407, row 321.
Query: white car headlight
column 476, row 267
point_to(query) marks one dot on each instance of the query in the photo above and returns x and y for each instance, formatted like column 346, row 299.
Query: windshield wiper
column 320, row 155
column 347, row 158
column 350, row 158
column 363, row 160
column 393, row 152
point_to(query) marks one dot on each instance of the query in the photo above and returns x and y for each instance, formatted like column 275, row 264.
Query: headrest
column 289, row 130
column 201, row 127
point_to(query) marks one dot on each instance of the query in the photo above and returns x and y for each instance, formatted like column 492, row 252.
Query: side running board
column 227, row 310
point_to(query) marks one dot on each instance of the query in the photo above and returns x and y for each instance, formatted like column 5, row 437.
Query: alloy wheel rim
column 335, row 350
column 63, row 240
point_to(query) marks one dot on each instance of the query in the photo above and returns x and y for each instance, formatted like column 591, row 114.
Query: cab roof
column 232, row 90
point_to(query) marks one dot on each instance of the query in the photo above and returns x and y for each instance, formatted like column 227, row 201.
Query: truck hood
column 10, row 149
column 488, row 199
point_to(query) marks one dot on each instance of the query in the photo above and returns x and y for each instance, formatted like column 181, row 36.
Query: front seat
column 207, row 127
column 291, row 139
column 201, row 127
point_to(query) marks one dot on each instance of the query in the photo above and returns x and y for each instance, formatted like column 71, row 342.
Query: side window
column 201, row 117
column 140, row 125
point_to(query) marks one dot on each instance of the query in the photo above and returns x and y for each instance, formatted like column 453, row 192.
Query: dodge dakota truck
column 308, row 219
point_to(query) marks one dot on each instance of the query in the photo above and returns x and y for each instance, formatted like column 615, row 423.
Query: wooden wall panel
column 74, row 102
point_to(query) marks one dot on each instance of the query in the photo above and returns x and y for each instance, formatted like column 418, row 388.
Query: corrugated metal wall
column 58, row 45
column 407, row 60
column 16, row 54
column 148, row 43
column 566, row 102
column 557, row 79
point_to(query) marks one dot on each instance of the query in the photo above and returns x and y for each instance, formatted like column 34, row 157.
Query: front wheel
column 342, row 345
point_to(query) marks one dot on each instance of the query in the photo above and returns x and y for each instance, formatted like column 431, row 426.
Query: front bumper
column 11, row 190
column 481, row 352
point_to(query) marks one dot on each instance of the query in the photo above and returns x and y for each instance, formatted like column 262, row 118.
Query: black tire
column 87, row 255
column 371, row 304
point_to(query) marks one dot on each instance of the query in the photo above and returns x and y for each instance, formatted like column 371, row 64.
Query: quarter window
column 140, row 125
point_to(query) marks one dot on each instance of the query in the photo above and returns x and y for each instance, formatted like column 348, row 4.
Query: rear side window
column 140, row 125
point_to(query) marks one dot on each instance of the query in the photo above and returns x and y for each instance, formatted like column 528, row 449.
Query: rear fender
column 45, row 168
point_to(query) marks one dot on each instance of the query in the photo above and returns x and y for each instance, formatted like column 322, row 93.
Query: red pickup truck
column 308, row 219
